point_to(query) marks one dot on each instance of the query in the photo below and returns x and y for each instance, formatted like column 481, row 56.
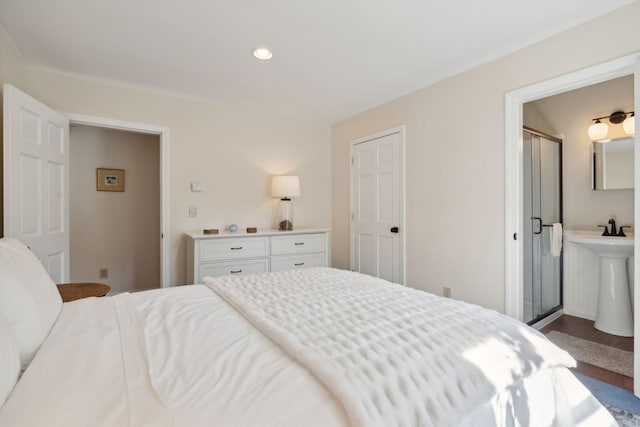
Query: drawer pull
column 299, row 243
column 298, row 264
column 235, row 249
column 235, row 271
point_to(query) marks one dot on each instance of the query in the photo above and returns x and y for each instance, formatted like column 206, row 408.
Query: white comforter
column 184, row 357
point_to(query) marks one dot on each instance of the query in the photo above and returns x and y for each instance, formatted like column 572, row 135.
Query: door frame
column 163, row 133
column 402, row 220
column 514, row 101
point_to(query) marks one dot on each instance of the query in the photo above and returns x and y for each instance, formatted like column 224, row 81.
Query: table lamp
column 285, row 187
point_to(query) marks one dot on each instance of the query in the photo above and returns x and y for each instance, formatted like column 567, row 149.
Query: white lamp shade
column 285, row 186
column 598, row 131
column 629, row 125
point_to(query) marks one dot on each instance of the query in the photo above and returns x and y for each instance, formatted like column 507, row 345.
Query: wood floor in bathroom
column 583, row 328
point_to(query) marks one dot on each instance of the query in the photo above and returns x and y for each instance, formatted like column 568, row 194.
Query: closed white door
column 377, row 201
column 36, row 179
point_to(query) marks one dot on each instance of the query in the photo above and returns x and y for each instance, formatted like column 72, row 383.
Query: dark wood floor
column 583, row 328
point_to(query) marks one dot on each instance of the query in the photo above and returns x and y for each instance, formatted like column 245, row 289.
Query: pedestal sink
column 614, row 315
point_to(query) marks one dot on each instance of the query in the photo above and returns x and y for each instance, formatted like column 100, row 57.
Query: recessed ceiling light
column 262, row 53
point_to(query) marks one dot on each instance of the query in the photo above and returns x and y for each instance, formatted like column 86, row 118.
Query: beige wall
column 13, row 71
column 533, row 118
column 232, row 150
column 455, row 158
column 118, row 231
column 570, row 114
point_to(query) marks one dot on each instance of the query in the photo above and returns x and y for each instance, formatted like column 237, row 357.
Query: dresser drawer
column 232, row 248
column 251, row 266
column 289, row 262
column 297, row 244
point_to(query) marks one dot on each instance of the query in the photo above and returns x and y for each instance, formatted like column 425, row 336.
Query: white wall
column 570, row 115
column 114, row 230
column 233, row 150
column 455, row 158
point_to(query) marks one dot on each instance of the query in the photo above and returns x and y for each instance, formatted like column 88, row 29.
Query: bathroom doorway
column 542, row 219
column 515, row 103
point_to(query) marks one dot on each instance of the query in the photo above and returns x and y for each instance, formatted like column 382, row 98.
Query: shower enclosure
column 542, row 188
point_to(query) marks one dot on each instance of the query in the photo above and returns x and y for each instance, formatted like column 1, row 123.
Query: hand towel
column 546, row 237
column 556, row 239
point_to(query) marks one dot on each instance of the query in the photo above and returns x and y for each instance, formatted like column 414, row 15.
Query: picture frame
column 110, row 179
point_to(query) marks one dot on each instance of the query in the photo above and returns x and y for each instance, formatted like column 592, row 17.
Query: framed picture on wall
column 110, row 179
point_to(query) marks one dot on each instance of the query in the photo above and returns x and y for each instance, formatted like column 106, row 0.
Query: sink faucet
column 614, row 231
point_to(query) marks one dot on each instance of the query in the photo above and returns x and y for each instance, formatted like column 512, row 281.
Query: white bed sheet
column 183, row 357
column 225, row 375
column 231, row 373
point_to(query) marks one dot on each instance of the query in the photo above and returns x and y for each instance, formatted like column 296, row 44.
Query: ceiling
column 331, row 58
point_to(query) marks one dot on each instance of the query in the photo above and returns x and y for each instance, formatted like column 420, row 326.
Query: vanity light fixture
column 262, row 53
column 599, row 130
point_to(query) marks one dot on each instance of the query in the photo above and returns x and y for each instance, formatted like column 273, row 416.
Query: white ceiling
column 332, row 58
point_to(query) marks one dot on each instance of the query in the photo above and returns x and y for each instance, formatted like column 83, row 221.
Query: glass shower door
column 542, row 208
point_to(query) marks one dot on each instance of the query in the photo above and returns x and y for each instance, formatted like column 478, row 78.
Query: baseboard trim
column 550, row 318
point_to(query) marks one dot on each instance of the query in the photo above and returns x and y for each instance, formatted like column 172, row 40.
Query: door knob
column 394, row 229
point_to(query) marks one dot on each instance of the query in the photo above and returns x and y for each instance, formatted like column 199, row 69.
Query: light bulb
column 629, row 124
column 598, row 130
column 262, row 53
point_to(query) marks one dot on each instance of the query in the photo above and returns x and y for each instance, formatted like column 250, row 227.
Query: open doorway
column 114, row 228
column 586, row 328
column 45, row 197
column 163, row 137
column 515, row 101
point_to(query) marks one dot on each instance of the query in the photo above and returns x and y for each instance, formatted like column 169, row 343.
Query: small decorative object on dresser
column 110, row 179
column 260, row 252
column 233, row 228
column 285, row 187
column 252, row 230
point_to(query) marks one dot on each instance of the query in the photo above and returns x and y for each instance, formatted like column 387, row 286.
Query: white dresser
column 243, row 253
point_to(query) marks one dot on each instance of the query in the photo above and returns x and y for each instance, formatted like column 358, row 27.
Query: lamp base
column 285, row 225
column 284, row 215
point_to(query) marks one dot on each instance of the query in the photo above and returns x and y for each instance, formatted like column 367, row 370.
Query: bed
column 314, row 347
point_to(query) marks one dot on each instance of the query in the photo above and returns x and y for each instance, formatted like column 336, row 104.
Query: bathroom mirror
column 612, row 164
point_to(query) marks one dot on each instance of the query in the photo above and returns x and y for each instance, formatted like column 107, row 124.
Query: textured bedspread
column 394, row 356
column 390, row 355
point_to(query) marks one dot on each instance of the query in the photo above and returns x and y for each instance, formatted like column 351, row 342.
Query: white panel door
column 376, row 199
column 36, row 179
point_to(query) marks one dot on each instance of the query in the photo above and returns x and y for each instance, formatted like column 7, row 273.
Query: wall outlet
column 104, row 273
column 193, row 211
column 446, row 292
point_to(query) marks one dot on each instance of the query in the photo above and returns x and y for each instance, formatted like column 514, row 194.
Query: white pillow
column 29, row 300
column 9, row 362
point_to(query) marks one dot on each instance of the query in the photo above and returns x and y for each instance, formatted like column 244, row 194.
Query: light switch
column 193, row 211
column 196, row 187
